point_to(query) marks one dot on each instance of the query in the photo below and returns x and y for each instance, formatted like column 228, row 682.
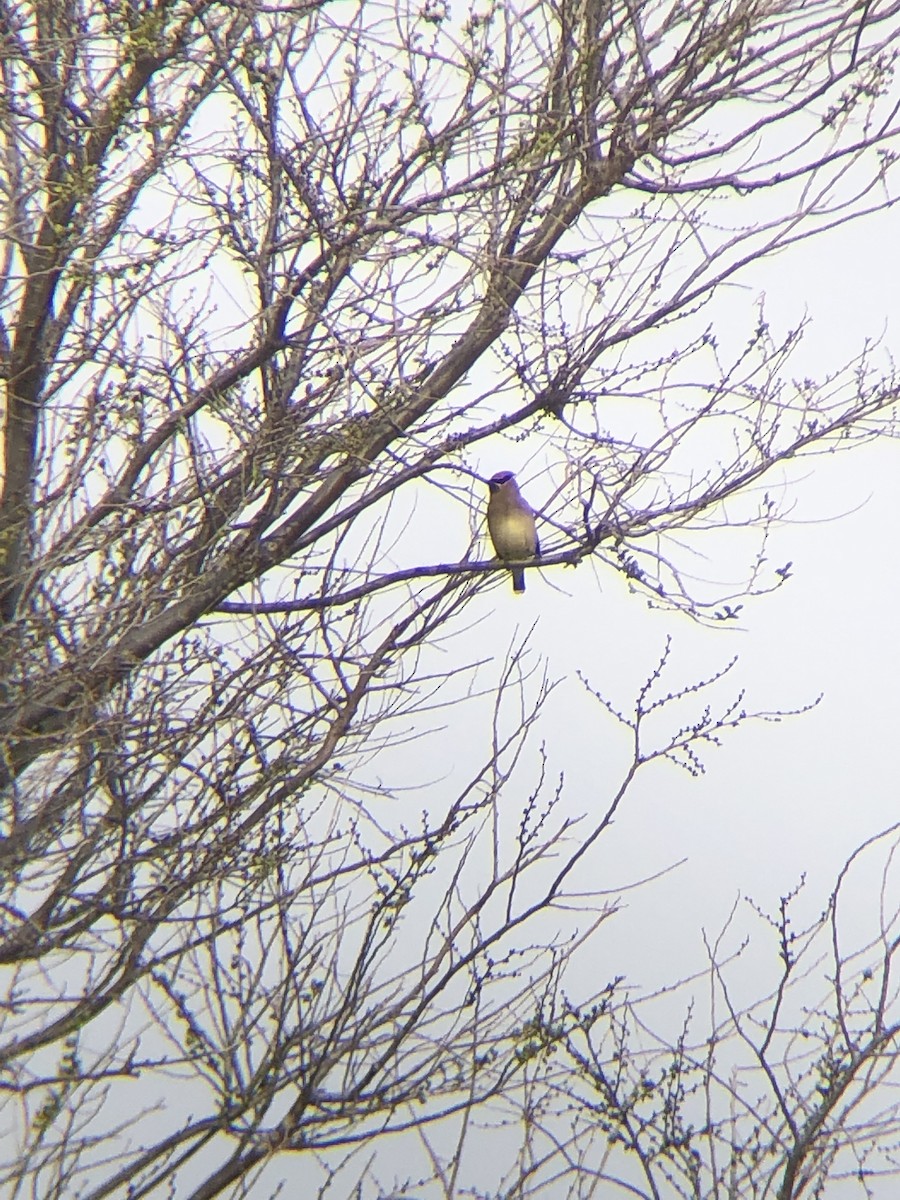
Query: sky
column 781, row 799
column 796, row 797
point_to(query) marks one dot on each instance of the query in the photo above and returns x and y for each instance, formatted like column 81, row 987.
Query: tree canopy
column 274, row 274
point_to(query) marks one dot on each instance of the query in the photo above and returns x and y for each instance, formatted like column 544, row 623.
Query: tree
column 272, row 275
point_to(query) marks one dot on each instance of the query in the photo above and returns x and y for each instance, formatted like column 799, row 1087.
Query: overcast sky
column 778, row 800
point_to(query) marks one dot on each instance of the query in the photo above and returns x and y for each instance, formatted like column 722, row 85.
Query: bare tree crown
column 274, row 274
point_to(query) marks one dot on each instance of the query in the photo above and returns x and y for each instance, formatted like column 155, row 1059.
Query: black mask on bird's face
column 500, row 480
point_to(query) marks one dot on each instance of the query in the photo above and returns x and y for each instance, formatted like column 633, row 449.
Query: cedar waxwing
column 511, row 525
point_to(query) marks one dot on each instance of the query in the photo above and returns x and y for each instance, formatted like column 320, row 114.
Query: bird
column 511, row 525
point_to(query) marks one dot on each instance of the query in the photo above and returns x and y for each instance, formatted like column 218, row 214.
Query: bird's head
column 500, row 480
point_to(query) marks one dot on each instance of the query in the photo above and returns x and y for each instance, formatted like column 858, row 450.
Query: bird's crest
column 499, row 479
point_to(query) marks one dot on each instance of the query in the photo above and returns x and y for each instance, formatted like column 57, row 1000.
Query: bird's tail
column 518, row 575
